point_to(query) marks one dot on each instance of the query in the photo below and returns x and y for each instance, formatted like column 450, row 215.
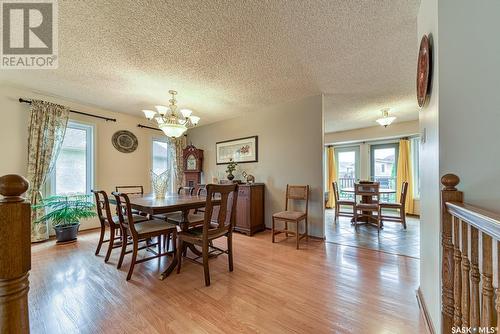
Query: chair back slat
column 297, row 193
column 130, row 190
column 336, row 191
column 404, row 193
column 228, row 195
column 185, row 191
column 124, row 212
column 368, row 189
column 202, row 190
column 102, row 206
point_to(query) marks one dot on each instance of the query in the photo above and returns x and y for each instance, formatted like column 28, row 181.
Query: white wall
column 290, row 151
column 469, row 97
column 461, row 121
column 430, row 252
column 111, row 167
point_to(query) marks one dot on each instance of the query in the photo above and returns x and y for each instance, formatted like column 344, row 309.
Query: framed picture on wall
column 241, row 150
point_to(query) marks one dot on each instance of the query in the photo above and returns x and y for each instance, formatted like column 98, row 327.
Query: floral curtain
column 47, row 127
column 177, row 146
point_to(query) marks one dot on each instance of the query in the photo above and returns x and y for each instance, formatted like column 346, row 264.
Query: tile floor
column 392, row 239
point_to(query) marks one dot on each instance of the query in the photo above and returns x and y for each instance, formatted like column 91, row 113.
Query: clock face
column 191, row 163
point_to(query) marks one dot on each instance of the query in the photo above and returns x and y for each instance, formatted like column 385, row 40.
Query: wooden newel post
column 15, row 254
column 450, row 306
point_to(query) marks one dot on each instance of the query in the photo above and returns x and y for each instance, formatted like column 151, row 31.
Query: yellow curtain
column 404, row 174
column 332, row 176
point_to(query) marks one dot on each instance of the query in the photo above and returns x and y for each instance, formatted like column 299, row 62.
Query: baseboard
column 425, row 313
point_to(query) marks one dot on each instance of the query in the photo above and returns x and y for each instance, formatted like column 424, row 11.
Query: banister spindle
column 487, row 276
column 448, row 194
column 475, row 277
column 497, row 302
column 457, row 277
column 465, row 276
column 15, row 255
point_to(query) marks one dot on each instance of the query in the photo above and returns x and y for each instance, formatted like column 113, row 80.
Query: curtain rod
column 107, row 119
column 373, row 141
column 147, row 127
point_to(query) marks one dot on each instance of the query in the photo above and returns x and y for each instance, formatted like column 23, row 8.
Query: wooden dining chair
column 397, row 206
column 295, row 193
column 132, row 190
column 341, row 202
column 110, row 222
column 214, row 227
column 369, row 196
column 140, row 231
column 194, row 218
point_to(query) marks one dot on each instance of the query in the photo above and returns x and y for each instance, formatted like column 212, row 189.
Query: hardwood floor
column 392, row 238
column 322, row 288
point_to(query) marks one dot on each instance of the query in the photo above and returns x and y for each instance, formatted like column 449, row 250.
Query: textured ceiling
column 231, row 57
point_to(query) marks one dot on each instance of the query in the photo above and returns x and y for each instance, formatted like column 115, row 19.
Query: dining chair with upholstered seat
column 178, row 218
column 214, row 226
column 293, row 193
column 341, row 202
column 397, row 206
column 107, row 220
column 140, row 231
column 369, row 192
column 132, row 190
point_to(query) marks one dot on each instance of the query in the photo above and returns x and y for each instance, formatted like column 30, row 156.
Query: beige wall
column 378, row 132
column 111, row 167
column 290, row 151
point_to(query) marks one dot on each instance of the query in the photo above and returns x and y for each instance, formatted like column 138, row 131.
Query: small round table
column 368, row 215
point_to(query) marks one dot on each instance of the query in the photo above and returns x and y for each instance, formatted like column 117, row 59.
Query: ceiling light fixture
column 386, row 119
column 172, row 122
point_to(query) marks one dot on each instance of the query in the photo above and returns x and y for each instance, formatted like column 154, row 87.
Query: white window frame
column 50, row 185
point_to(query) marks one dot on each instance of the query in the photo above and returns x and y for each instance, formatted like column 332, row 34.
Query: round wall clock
column 423, row 71
column 125, row 141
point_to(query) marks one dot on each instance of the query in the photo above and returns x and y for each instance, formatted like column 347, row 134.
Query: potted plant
column 65, row 213
column 231, row 167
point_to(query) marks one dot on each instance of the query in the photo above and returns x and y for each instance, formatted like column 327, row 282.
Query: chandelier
column 171, row 121
column 386, row 119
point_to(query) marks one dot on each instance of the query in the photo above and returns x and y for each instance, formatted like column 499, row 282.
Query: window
column 415, row 155
column 161, row 161
column 384, row 164
column 160, row 155
column 347, row 159
column 73, row 171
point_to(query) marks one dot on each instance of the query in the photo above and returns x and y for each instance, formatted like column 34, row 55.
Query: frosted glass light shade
column 385, row 121
column 186, row 113
column 150, row 114
column 194, row 119
column 162, row 110
column 173, row 130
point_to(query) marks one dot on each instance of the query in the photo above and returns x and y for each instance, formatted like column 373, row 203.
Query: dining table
column 368, row 217
column 172, row 202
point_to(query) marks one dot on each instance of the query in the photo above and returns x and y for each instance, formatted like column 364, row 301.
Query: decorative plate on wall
column 423, row 71
column 125, row 141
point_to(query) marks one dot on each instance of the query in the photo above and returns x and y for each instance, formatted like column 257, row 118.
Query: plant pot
column 66, row 233
column 230, row 176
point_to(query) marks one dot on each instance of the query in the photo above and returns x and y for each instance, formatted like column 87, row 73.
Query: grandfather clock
column 193, row 159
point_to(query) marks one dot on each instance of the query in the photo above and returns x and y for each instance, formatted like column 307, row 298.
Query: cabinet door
column 243, row 208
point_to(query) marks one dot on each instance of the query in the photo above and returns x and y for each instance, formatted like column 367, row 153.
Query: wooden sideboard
column 250, row 208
